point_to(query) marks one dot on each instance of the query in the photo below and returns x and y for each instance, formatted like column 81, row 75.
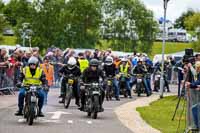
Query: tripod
column 181, row 96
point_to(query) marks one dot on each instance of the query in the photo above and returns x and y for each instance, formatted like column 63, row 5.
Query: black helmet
column 94, row 62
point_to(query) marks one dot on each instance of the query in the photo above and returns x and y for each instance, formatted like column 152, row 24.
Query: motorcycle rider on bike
column 111, row 70
column 70, row 68
column 90, row 75
column 31, row 75
column 141, row 69
column 125, row 69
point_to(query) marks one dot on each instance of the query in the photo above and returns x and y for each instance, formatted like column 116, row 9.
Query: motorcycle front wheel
column 31, row 114
column 68, row 97
column 95, row 106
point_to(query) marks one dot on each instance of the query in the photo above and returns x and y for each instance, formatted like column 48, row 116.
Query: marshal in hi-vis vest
column 83, row 64
column 32, row 80
column 124, row 69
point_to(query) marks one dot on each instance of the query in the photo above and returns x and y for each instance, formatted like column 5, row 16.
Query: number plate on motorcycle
column 95, row 92
column 33, row 99
column 109, row 82
column 70, row 81
column 139, row 80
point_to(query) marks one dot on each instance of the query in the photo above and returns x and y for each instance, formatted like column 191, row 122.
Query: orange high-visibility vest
column 49, row 73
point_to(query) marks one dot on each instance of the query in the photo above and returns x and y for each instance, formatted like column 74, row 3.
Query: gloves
column 19, row 85
column 46, row 87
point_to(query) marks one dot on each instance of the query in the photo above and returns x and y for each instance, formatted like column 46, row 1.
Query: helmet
column 94, row 62
column 33, row 60
column 109, row 60
column 124, row 60
column 71, row 63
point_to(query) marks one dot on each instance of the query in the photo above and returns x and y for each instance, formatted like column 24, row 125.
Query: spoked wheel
column 68, row 97
column 138, row 89
column 95, row 107
column 31, row 114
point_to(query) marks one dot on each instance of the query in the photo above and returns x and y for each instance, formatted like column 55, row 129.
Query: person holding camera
column 195, row 85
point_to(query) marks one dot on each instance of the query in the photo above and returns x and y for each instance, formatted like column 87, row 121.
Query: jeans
column 147, row 89
column 116, row 86
column 45, row 96
column 149, row 84
column 195, row 114
column 21, row 97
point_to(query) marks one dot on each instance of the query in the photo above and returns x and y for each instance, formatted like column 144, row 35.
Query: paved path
column 60, row 120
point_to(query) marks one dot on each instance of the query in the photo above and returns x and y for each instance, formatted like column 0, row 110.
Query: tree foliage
column 84, row 23
column 179, row 22
column 193, row 23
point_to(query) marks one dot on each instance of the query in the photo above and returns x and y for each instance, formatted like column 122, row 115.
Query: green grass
column 8, row 40
column 170, row 47
column 159, row 115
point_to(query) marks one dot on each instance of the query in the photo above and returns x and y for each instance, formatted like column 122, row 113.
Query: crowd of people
column 88, row 66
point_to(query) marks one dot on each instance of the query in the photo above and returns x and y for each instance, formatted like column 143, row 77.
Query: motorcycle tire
column 31, row 114
column 95, row 106
column 138, row 90
column 68, row 97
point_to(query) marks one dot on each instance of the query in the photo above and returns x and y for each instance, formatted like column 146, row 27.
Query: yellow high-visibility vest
column 32, row 80
column 84, row 63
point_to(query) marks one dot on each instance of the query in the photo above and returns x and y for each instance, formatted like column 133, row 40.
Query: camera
column 189, row 56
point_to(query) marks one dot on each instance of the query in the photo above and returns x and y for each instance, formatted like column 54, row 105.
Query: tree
column 1, row 6
column 2, row 25
column 193, row 23
column 128, row 24
column 179, row 23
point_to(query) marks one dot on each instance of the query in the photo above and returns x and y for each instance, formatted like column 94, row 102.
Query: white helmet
column 124, row 60
column 71, row 63
column 33, row 60
column 109, row 60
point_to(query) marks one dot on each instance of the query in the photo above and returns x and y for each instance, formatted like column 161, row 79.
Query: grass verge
column 159, row 115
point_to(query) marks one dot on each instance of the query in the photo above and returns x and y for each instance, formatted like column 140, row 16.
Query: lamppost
column 163, row 50
column 25, row 33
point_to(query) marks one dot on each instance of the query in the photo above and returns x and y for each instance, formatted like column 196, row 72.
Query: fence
column 7, row 78
column 193, row 109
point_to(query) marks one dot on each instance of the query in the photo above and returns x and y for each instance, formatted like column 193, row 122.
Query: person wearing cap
column 31, row 75
column 49, row 73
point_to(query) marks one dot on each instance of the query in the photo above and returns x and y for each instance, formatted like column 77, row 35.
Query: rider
column 31, row 75
column 110, row 70
column 141, row 69
column 125, row 69
column 70, row 68
column 90, row 75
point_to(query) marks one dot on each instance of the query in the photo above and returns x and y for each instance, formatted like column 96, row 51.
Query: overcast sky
column 175, row 7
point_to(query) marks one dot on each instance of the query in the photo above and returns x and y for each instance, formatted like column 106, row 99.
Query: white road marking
column 70, row 121
column 89, row 122
column 57, row 114
column 50, row 121
column 21, row 120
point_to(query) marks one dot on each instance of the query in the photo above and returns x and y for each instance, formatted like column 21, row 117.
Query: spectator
column 49, row 73
column 3, row 64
